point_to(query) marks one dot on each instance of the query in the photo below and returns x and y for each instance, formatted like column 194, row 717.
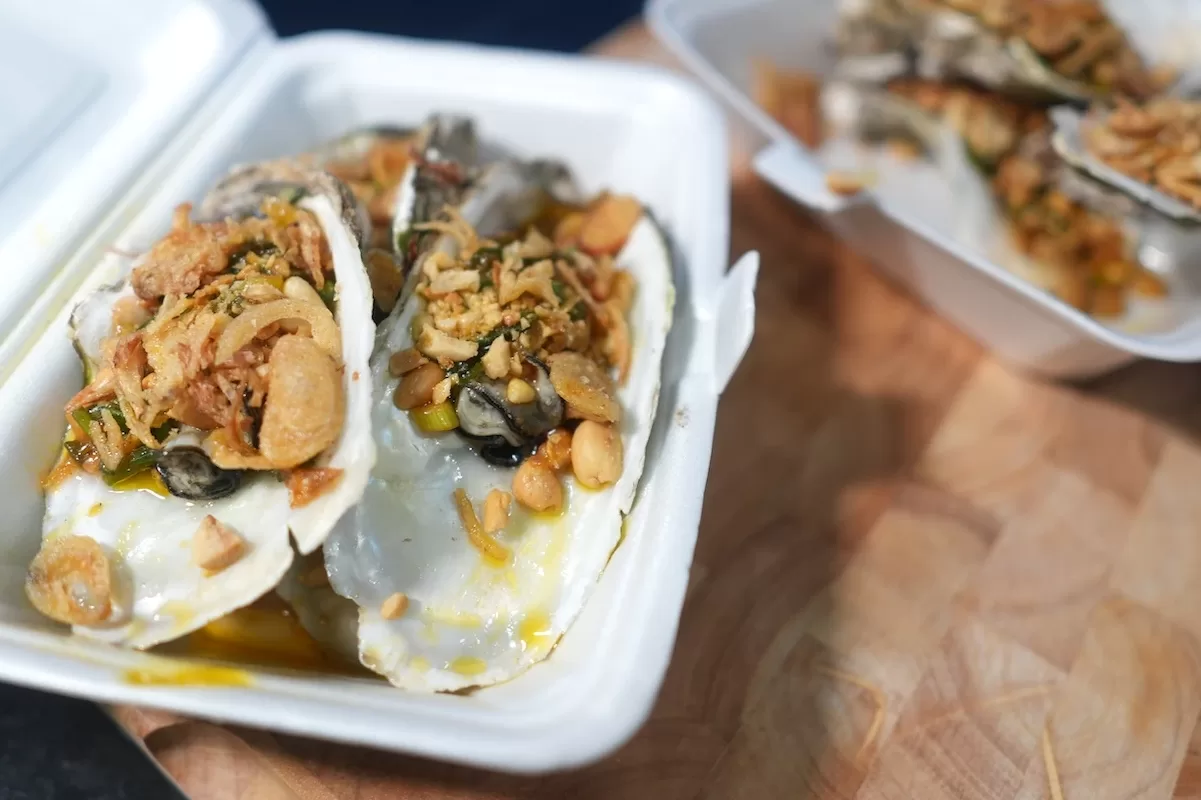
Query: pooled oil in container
column 187, row 675
column 265, row 633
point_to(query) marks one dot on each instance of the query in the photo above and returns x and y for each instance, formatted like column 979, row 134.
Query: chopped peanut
column 596, row 454
column 556, row 449
column 845, row 183
column 519, row 392
column 437, row 345
column 395, row 606
column 416, row 389
column 455, row 280
column 536, row 245
column 534, row 280
column 496, row 511
column 216, row 546
column 536, row 486
column 404, row 361
column 297, row 288
column 441, row 391
column 496, row 360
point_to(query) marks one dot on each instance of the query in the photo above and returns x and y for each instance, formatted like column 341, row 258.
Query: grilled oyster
column 232, row 353
column 459, row 582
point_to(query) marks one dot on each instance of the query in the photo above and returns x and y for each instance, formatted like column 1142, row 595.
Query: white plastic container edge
column 636, row 128
column 1021, row 323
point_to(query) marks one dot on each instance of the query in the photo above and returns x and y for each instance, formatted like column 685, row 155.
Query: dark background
column 54, row 748
column 565, row 25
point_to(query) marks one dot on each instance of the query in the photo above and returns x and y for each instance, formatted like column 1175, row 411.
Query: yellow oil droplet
column 95, row 509
column 534, row 631
column 511, row 578
column 468, row 665
column 420, row 664
column 187, row 675
column 146, row 480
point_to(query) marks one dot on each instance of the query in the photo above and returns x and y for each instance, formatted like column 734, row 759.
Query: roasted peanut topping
column 216, row 546
column 395, row 606
column 515, row 340
column 1158, row 144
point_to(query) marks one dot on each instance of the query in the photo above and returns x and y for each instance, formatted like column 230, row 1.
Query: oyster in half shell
column 1042, row 51
column 227, row 403
column 1152, row 153
column 458, row 580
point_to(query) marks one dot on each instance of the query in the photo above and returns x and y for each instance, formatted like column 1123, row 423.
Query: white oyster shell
column 160, row 593
column 1070, row 130
column 470, row 623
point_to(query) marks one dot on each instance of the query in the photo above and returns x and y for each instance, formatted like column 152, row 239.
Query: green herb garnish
column 141, row 458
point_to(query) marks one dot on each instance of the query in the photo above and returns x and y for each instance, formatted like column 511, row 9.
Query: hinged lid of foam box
column 84, row 106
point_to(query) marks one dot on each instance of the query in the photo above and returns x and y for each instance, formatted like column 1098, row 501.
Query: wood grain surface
column 920, row 575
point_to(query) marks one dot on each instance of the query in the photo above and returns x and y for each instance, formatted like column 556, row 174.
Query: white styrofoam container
column 635, row 129
column 720, row 39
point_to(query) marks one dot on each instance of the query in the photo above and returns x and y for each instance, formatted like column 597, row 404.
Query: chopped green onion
column 328, row 292
column 82, row 418
column 85, row 416
column 81, row 452
column 141, row 458
column 578, row 312
column 435, row 418
column 165, row 430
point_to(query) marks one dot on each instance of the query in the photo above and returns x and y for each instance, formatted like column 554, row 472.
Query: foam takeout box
column 906, row 233
column 115, row 112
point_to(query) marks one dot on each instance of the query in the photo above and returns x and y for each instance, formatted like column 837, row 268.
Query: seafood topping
column 1090, row 252
column 1077, row 39
column 1158, row 143
column 372, row 163
column 990, row 124
column 516, row 341
column 496, row 413
column 235, row 339
column 189, row 473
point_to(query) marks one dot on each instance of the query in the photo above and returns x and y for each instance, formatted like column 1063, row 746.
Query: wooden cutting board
column 919, row 575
